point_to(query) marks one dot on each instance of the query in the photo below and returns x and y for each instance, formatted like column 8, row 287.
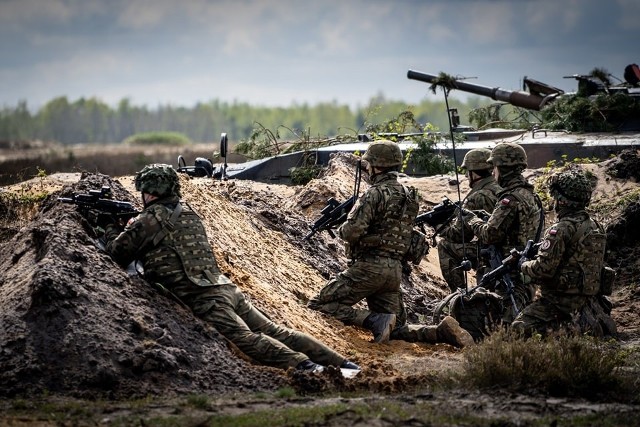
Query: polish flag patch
column 505, row 201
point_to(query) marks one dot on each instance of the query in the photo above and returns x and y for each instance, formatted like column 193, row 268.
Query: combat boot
column 347, row 364
column 450, row 331
column 381, row 324
column 310, row 366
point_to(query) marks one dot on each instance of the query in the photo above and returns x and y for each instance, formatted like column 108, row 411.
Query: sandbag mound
column 72, row 322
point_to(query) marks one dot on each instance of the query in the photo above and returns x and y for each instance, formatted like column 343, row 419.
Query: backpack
column 478, row 312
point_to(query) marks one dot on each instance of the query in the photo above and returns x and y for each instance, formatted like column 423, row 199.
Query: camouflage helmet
column 508, row 154
column 383, row 154
column 476, row 159
column 158, row 179
column 572, row 186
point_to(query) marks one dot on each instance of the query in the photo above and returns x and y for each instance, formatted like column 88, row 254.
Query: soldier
column 169, row 239
column 377, row 235
column 516, row 218
column 569, row 262
column 452, row 249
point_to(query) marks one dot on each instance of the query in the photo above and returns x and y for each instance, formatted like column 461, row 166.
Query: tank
column 532, row 100
column 540, row 94
column 624, row 114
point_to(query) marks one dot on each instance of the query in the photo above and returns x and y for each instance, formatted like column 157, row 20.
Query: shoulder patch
column 546, row 244
column 131, row 221
column 505, row 201
column 553, row 232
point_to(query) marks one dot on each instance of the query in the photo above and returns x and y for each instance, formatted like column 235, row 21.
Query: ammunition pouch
column 418, row 248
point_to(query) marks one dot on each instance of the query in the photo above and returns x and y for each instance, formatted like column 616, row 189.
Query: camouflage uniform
column 568, row 264
column 168, row 238
column 377, row 235
column 514, row 220
column 451, row 248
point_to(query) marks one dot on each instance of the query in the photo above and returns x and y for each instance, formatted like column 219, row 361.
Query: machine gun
column 335, row 213
column 104, row 208
column 201, row 168
column 204, row 167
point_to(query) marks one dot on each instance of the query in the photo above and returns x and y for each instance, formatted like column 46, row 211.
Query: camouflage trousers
column 416, row 333
column 373, row 279
column 582, row 314
column 523, row 294
column 548, row 314
column 450, row 255
column 233, row 315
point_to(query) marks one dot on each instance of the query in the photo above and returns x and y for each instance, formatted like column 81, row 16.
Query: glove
column 100, row 219
column 482, row 214
column 467, row 214
column 522, row 260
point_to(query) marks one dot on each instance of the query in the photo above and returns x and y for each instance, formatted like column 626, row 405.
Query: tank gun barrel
column 517, row 98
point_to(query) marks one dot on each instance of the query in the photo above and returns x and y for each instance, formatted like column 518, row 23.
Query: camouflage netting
column 73, row 322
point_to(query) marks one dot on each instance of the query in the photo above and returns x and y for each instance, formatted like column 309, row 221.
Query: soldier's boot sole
column 451, row 332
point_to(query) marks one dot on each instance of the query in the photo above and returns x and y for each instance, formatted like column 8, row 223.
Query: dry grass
column 560, row 365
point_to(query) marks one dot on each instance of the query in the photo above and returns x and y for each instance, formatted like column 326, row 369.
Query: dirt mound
column 625, row 166
column 75, row 323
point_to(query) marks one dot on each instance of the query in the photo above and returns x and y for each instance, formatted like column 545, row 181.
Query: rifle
column 440, row 214
column 335, row 213
column 102, row 202
column 500, row 269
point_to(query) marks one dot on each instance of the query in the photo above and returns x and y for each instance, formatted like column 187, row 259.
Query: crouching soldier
column 378, row 233
column 569, row 266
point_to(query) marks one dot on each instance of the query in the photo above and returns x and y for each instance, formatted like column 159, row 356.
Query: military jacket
column 483, row 196
column 514, row 219
column 168, row 238
column 570, row 256
column 381, row 221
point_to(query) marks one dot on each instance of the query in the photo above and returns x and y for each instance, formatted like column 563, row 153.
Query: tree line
column 89, row 120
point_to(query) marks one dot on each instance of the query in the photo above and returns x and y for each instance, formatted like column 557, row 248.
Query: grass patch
column 560, row 365
column 157, row 138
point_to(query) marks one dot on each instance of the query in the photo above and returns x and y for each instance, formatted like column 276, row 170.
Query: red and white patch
column 553, row 232
column 131, row 221
column 505, row 201
column 546, row 244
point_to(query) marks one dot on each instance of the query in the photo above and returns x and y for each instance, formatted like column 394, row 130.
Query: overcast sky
column 279, row 52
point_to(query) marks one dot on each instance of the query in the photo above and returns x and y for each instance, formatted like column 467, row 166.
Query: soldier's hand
column 482, row 214
column 521, row 261
column 467, row 214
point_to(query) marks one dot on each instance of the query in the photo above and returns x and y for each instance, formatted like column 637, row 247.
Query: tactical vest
column 390, row 234
column 181, row 250
column 581, row 266
column 527, row 219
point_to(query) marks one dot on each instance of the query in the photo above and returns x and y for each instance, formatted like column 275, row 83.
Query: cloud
column 630, row 14
column 278, row 51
